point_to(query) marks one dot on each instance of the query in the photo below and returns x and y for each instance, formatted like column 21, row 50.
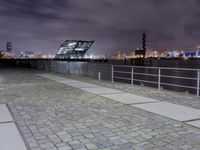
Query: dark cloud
column 37, row 9
column 41, row 25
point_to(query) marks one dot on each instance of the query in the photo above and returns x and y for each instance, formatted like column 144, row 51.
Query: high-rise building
column 8, row 46
column 73, row 49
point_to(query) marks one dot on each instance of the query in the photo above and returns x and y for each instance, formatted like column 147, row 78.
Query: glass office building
column 73, row 49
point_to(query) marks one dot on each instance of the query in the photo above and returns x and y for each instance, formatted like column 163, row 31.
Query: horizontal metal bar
column 145, row 81
column 102, row 67
column 122, row 72
column 163, row 68
column 106, row 73
column 177, row 85
column 146, row 74
column 178, row 69
column 121, row 78
column 122, row 66
column 99, row 67
column 177, row 77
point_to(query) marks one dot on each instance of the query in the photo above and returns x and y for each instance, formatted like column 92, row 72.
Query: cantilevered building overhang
column 73, row 49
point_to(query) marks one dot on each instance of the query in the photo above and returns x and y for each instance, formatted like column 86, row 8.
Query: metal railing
column 161, row 76
column 183, row 79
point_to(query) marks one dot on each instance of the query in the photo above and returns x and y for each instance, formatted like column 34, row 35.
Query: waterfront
column 91, row 68
column 172, row 76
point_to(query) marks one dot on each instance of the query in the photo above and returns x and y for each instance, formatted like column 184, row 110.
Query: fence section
column 178, row 79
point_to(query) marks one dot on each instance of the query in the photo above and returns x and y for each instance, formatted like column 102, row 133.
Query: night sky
column 42, row 25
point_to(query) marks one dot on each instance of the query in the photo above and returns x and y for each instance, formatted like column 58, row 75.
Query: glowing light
column 72, row 44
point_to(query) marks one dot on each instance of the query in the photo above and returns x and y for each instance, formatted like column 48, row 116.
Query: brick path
column 54, row 116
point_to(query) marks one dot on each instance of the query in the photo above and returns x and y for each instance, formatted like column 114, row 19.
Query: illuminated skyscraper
column 73, row 49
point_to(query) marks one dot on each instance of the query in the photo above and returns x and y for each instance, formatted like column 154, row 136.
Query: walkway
column 177, row 112
column 69, row 113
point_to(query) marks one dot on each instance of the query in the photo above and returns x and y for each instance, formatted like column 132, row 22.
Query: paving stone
column 35, row 148
column 91, row 146
column 100, row 90
column 10, row 138
column 195, row 123
column 46, row 145
column 4, row 114
column 64, row 148
column 64, row 136
column 170, row 110
column 127, row 98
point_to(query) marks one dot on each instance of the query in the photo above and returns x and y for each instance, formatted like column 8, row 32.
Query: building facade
column 73, row 49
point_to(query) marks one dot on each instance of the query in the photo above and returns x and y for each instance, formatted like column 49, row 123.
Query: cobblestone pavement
column 54, row 116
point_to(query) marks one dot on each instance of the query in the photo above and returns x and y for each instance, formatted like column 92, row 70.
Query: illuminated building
column 6, row 55
column 73, row 49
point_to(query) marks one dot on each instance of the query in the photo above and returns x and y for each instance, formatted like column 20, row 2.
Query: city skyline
column 113, row 25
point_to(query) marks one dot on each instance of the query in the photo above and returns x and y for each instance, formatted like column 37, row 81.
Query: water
column 164, row 62
column 188, row 85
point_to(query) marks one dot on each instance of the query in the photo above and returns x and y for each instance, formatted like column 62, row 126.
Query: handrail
column 122, row 72
column 178, row 77
column 178, row 85
column 163, row 68
column 155, row 75
column 198, row 84
column 159, row 74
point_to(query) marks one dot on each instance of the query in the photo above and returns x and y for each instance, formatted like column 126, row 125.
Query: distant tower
column 8, row 46
column 144, row 44
column 142, row 52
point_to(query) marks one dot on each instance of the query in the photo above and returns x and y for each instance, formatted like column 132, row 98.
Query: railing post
column 198, row 76
column 159, row 73
column 99, row 75
column 76, row 72
column 112, row 73
column 68, row 67
column 131, row 75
